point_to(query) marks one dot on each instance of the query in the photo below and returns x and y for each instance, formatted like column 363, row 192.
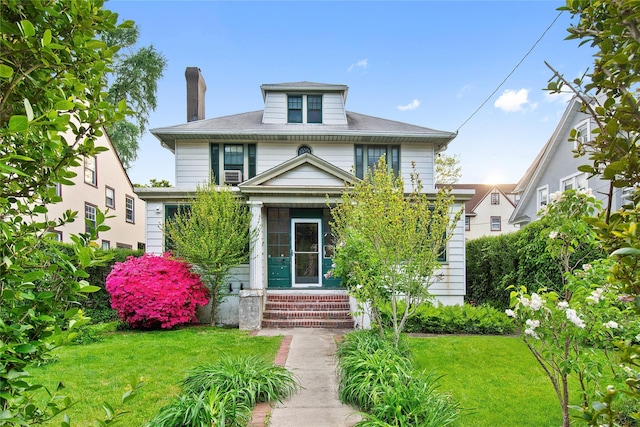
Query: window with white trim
column 110, row 197
column 496, row 223
column 495, row 198
column 574, row 182
column 90, row 212
column 90, row 170
column 583, row 133
column 130, row 209
column 106, row 244
column 467, row 223
column 542, row 197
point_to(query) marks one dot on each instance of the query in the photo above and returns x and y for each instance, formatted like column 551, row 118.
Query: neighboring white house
column 288, row 160
column 555, row 168
column 488, row 212
column 102, row 183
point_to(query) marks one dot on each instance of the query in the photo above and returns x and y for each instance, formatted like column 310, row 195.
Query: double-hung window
column 233, row 157
column 496, row 223
column 574, row 182
column 89, row 217
column 294, row 114
column 543, row 197
column 495, row 198
column 304, row 109
column 110, row 197
column 367, row 157
column 130, row 209
column 90, row 171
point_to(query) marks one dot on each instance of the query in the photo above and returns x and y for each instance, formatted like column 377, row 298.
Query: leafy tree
column 389, row 243
column 155, row 183
column 214, row 235
column 611, row 96
column 133, row 77
column 448, row 169
column 52, row 110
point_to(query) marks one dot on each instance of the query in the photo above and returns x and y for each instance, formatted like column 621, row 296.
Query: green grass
column 495, row 379
column 101, row 371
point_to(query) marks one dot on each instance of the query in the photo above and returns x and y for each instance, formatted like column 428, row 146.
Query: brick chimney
column 195, row 94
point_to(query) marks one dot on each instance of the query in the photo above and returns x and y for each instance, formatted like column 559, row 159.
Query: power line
column 512, row 71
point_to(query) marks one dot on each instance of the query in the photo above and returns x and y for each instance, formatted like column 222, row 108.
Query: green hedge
column 520, row 259
column 457, row 319
column 97, row 306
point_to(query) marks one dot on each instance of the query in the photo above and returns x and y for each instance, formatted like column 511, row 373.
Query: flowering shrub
column 155, row 291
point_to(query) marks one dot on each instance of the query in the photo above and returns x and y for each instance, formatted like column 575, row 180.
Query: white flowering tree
column 572, row 333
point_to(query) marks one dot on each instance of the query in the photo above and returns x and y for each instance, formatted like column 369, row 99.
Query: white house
column 489, row 210
column 287, row 160
column 555, row 168
column 101, row 182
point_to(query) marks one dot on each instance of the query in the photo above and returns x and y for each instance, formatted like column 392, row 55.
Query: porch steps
column 307, row 311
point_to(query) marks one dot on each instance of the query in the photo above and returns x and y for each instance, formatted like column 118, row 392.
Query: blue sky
column 429, row 63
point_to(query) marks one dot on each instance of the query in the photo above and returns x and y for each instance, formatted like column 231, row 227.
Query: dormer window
column 314, row 109
column 295, row 109
column 304, row 109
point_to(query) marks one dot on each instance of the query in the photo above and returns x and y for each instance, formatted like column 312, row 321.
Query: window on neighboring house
column 367, row 156
column 496, row 223
column 57, row 235
column 574, row 182
column 106, row 244
column 294, row 114
column 141, row 246
column 236, row 157
column 129, row 205
column 583, row 134
column 543, row 197
column 495, row 198
column 90, row 170
column 123, row 246
column 110, row 197
column 516, row 198
column 89, row 217
column 467, row 223
column 314, row 108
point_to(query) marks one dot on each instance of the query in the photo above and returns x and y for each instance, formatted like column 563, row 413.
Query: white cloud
column 512, row 100
column 463, row 90
column 560, row 98
column 410, row 106
column 363, row 63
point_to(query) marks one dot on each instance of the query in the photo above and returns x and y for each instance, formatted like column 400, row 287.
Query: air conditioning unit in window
column 232, row 177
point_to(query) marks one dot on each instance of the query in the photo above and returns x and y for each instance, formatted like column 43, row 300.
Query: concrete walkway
column 311, row 358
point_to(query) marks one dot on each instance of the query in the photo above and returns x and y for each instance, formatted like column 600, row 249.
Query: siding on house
column 451, row 288
column 193, row 163
column 333, row 109
column 306, row 176
column 275, row 109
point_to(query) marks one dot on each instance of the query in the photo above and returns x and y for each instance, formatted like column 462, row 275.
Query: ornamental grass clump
column 155, row 291
column 223, row 394
column 378, row 378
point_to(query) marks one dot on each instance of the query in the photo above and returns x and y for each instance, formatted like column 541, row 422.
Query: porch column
column 256, row 260
column 250, row 300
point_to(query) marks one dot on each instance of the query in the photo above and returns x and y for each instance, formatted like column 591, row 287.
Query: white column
column 256, row 260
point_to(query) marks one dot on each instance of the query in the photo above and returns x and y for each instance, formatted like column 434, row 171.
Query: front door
column 307, row 267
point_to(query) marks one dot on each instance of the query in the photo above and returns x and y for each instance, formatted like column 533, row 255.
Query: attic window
column 294, row 109
column 314, row 109
column 304, row 149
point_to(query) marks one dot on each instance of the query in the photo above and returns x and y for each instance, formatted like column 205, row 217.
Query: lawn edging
column 262, row 411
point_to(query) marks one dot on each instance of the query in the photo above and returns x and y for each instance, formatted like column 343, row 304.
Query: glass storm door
column 306, row 252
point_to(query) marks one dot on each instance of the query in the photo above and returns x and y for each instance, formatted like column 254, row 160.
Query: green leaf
column 46, row 38
column 28, row 109
column 27, row 28
column 5, row 71
column 626, row 251
column 18, row 123
column 89, row 289
column 25, row 348
column 108, row 410
column 64, row 105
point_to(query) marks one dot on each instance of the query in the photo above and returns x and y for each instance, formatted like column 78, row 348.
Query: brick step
column 308, row 323
column 308, row 298
column 306, row 305
column 330, row 315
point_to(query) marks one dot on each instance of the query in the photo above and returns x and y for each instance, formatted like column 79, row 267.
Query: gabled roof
column 481, row 192
column 528, row 183
column 360, row 128
column 259, row 183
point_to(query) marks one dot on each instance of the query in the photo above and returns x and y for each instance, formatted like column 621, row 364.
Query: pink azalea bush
column 155, row 291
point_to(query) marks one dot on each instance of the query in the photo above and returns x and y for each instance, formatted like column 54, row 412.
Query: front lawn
column 494, row 378
column 101, row 371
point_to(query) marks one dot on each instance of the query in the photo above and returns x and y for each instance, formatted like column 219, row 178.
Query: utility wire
column 512, row 71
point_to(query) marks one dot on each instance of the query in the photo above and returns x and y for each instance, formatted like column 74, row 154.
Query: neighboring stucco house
column 288, row 160
column 556, row 169
column 489, row 210
column 101, row 182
